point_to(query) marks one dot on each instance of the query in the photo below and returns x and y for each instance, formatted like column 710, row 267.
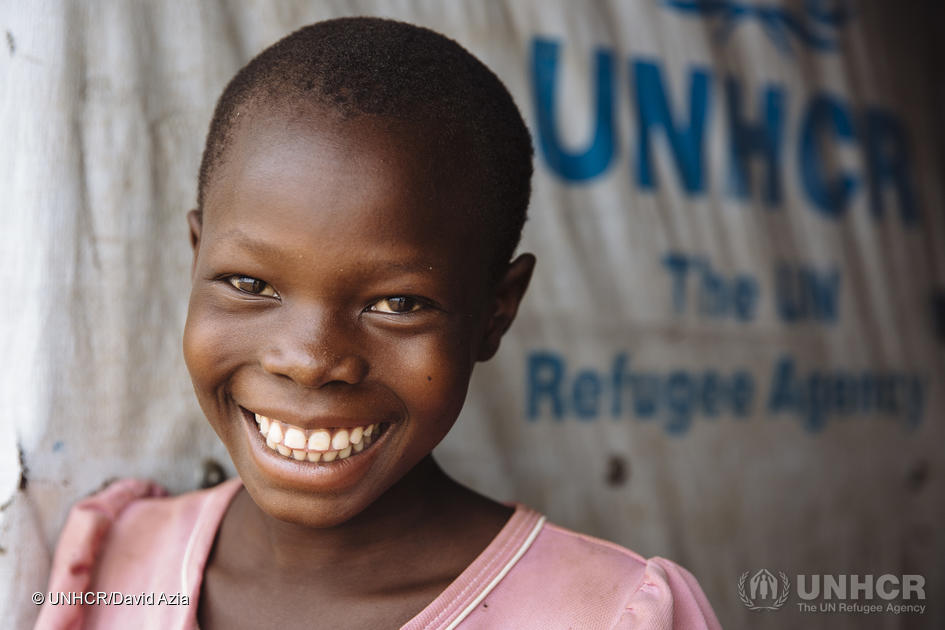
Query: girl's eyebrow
column 242, row 239
column 262, row 248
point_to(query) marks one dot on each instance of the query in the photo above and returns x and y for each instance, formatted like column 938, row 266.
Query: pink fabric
column 133, row 540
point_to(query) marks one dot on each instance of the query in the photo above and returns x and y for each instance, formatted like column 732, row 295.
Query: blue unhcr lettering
column 710, row 394
column 593, row 161
column 819, row 396
column 718, row 295
column 829, row 196
column 620, row 380
column 764, row 138
column 646, row 391
column 653, row 110
column 826, row 121
column 806, row 294
column 680, row 396
column 678, row 265
column 675, row 399
column 888, row 156
column 816, row 27
column 742, row 394
column 586, row 394
column 545, row 373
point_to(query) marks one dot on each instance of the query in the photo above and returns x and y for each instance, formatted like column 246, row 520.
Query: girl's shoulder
column 128, row 541
column 600, row 575
column 540, row 575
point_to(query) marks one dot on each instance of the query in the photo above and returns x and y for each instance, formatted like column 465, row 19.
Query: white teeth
column 294, row 438
column 340, row 440
column 322, row 445
column 319, row 441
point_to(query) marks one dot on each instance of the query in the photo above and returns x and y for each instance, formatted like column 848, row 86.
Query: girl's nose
column 314, row 351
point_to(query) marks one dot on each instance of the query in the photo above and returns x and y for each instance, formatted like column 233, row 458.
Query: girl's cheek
column 204, row 343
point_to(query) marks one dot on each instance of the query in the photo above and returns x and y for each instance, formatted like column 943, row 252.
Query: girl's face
column 336, row 286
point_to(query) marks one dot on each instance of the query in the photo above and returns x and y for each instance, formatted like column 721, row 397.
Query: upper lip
column 324, row 421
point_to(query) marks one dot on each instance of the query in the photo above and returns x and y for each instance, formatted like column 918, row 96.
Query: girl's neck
column 426, row 523
column 377, row 570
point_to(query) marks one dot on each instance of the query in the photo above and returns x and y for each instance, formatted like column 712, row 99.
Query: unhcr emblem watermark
column 764, row 591
column 821, row 593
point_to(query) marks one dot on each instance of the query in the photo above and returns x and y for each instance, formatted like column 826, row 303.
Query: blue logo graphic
column 816, row 26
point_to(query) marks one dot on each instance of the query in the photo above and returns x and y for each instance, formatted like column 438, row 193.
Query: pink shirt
column 131, row 540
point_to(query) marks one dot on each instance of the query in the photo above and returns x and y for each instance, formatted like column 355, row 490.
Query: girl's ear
column 508, row 295
column 195, row 221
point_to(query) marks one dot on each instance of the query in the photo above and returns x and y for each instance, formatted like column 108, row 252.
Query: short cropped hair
column 383, row 67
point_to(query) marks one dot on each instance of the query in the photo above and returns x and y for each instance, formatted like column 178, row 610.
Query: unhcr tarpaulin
column 731, row 354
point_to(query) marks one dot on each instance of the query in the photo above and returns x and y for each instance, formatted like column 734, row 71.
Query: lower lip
column 335, row 475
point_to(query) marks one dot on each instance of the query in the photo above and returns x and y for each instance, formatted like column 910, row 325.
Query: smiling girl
column 362, row 193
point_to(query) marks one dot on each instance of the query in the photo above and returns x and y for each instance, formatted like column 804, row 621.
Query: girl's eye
column 253, row 286
column 397, row 305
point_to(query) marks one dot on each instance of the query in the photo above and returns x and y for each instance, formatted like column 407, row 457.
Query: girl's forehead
column 319, row 191
column 345, row 158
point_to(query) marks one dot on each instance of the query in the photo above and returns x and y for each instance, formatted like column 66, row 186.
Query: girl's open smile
column 324, row 458
column 317, row 445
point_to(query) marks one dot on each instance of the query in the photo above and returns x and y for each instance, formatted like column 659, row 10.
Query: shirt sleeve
column 668, row 598
column 80, row 545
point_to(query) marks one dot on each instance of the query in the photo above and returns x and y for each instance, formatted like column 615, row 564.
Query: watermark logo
column 845, row 593
column 764, row 591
